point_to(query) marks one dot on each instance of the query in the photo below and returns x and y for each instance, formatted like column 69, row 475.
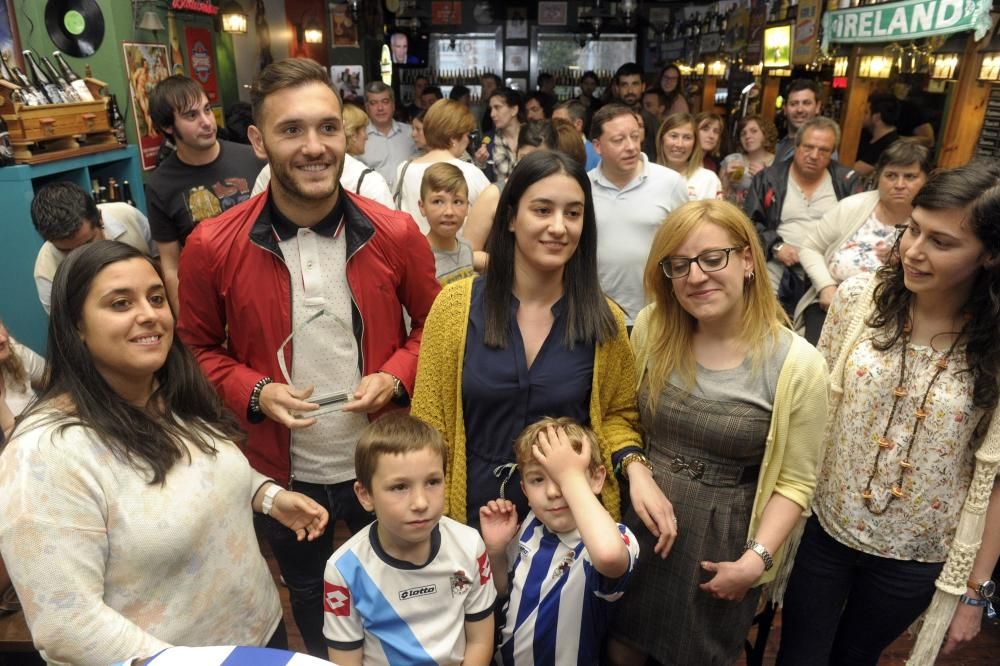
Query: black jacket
column 766, row 197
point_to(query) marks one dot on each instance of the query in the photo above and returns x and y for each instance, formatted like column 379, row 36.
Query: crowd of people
column 584, row 385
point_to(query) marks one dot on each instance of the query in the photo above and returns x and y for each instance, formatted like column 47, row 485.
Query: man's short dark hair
column 287, row 73
column 658, row 91
column 607, row 113
column 628, row 69
column 493, row 77
column 574, row 108
column 173, row 94
column 457, row 92
column 433, row 90
column 886, row 106
column 545, row 100
column 590, row 75
column 60, row 209
column 543, row 78
column 798, row 85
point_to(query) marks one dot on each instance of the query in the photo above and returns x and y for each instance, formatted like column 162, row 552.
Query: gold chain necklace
column 884, row 443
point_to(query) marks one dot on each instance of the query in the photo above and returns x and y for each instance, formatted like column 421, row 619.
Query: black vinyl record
column 75, row 26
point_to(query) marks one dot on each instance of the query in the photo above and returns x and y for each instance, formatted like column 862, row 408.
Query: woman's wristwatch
column 761, row 551
column 630, row 458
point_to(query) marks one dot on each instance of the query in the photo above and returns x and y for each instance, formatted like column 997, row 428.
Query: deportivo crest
column 336, row 599
column 460, row 583
column 564, row 566
column 421, row 591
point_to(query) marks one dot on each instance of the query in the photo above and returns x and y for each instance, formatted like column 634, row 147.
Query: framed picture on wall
column 349, row 81
column 345, row 31
column 146, row 65
column 552, row 13
column 10, row 42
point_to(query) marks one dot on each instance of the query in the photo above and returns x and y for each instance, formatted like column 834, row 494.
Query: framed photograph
column 345, row 31
column 145, row 65
column 515, row 58
column 446, row 12
column 517, row 83
column 10, row 42
column 517, row 23
column 778, row 46
column 349, row 81
column 552, row 13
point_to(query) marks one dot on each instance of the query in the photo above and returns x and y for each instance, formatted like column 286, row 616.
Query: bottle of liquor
column 42, row 80
column 64, row 87
column 112, row 189
column 127, row 193
column 6, row 152
column 67, row 73
column 116, row 121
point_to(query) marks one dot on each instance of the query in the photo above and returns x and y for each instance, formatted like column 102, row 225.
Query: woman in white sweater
column 125, row 501
column 857, row 234
column 677, row 148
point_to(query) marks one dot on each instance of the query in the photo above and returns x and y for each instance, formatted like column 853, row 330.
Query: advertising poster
column 146, row 65
column 201, row 61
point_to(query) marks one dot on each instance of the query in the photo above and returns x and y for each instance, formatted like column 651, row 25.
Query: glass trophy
column 329, row 398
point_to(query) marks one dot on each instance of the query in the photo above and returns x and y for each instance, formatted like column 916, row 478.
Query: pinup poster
column 201, row 62
column 146, row 65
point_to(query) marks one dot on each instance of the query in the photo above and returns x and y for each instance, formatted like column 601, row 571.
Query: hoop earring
column 749, row 278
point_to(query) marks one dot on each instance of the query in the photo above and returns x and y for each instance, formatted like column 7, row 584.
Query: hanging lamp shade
column 234, row 18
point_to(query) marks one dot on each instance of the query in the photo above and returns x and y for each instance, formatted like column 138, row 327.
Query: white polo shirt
column 627, row 220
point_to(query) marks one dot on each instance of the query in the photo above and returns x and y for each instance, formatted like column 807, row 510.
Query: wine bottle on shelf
column 41, row 80
column 126, row 194
column 6, row 151
column 64, row 87
column 67, row 73
column 116, row 121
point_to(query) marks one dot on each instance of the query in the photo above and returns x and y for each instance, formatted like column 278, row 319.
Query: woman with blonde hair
column 447, row 125
column 732, row 404
column 678, row 148
column 711, row 130
column 21, row 371
column 356, row 129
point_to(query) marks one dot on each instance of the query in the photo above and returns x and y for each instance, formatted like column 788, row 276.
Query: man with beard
column 293, row 304
column 204, row 177
column 629, row 87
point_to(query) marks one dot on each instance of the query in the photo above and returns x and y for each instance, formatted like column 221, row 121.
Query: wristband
column 762, row 552
column 269, row 496
column 254, row 407
column 981, row 603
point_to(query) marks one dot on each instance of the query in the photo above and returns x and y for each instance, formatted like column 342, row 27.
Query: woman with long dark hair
column 534, row 337
column 907, row 510
column 732, row 404
column 125, row 501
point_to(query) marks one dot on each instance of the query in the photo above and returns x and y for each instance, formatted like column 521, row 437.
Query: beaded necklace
column 884, row 443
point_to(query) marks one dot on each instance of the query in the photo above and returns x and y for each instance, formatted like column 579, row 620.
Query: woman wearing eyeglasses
column 908, row 506
column 732, row 404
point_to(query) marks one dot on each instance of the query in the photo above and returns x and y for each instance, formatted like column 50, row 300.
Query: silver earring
column 750, row 277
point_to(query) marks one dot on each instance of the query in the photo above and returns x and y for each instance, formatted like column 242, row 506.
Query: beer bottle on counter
column 6, row 151
column 41, row 80
column 116, row 121
column 79, row 85
column 64, row 87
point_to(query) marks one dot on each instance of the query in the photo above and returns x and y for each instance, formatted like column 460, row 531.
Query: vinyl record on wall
column 75, row 26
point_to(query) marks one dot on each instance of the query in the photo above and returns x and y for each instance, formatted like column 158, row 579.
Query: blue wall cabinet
column 19, row 242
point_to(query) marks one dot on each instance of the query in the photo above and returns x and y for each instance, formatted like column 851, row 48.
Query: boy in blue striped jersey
column 567, row 561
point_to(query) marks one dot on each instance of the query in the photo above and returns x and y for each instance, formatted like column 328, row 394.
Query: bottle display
column 69, row 94
column 41, row 80
column 116, row 120
column 67, row 73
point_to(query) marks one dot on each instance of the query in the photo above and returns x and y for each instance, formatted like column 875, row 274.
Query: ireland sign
column 910, row 19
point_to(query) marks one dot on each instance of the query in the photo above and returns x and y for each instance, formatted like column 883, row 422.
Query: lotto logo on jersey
column 417, row 592
column 485, row 573
column 336, row 599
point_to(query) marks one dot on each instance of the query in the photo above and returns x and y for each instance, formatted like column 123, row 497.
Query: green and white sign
column 906, row 20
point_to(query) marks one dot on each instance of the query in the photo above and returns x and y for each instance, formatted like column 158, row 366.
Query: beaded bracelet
column 255, row 395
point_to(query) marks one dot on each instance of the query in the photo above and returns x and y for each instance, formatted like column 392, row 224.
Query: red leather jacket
column 235, row 305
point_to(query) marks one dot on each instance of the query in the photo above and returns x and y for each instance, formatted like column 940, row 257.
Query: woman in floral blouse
column 909, row 479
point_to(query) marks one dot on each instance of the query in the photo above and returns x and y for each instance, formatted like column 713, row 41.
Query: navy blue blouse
column 501, row 396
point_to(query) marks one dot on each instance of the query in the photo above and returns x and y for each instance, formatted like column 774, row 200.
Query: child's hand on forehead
column 554, row 452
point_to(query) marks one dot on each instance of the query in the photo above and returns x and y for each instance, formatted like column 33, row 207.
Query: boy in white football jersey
column 568, row 560
column 414, row 587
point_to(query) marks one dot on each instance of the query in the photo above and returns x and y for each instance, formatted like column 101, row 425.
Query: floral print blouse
column 857, row 254
column 920, row 525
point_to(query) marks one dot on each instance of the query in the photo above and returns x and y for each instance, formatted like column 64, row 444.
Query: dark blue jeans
column 302, row 562
column 845, row 607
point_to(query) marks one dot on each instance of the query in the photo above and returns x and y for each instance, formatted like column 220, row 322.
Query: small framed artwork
column 516, row 58
column 517, row 83
column 349, row 81
column 517, row 23
column 10, row 42
column 345, row 31
column 552, row 13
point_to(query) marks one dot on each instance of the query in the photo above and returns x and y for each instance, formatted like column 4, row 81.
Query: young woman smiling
column 678, row 148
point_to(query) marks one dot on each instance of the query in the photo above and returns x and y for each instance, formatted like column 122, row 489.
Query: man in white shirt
column 632, row 197
column 66, row 217
column 389, row 141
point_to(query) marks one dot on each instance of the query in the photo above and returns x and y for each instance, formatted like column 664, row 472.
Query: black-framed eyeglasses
column 708, row 261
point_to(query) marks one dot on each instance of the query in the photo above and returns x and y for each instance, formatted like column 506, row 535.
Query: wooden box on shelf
column 57, row 131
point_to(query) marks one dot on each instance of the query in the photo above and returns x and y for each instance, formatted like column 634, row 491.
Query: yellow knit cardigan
column 437, row 396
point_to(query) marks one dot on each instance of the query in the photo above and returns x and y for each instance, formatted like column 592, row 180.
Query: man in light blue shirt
column 389, row 142
column 632, row 197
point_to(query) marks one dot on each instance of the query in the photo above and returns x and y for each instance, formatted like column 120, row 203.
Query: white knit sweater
column 109, row 567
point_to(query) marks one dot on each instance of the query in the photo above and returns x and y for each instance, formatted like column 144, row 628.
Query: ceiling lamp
column 234, row 19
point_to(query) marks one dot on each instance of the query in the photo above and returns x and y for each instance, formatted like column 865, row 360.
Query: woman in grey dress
column 733, row 406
